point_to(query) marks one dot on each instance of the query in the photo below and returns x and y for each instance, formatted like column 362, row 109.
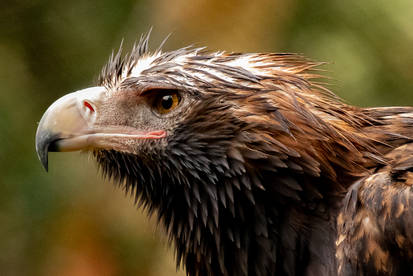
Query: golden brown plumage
column 251, row 165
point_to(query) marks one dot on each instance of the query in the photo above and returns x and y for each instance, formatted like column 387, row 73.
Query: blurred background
column 70, row 221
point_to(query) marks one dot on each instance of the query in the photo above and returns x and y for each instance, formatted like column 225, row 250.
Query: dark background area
column 70, row 221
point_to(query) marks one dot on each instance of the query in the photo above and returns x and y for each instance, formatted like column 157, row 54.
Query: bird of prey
column 250, row 164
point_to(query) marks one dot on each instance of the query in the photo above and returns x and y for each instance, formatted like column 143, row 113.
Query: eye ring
column 166, row 102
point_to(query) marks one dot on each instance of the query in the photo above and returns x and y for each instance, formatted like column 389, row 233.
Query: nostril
column 89, row 106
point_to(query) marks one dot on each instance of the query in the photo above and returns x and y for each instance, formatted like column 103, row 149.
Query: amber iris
column 166, row 103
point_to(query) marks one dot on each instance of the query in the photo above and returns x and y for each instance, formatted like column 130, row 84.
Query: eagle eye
column 166, row 102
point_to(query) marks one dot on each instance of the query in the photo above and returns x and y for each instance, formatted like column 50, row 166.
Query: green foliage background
column 70, row 221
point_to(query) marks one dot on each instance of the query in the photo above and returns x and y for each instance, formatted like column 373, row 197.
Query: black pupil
column 167, row 101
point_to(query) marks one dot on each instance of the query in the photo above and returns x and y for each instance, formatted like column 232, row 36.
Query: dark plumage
column 252, row 166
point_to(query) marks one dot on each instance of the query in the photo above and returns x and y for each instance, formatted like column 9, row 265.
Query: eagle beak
column 65, row 123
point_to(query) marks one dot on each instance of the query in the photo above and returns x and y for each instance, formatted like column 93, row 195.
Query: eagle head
column 223, row 146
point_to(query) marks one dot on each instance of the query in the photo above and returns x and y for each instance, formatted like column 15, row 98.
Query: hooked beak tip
column 42, row 150
column 45, row 142
column 66, row 116
column 44, row 159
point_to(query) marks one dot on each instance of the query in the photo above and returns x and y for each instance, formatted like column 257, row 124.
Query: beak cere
column 66, row 123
